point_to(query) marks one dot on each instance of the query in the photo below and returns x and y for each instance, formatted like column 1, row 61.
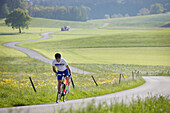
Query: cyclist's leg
column 59, row 84
column 59, row 78
column 68, row 79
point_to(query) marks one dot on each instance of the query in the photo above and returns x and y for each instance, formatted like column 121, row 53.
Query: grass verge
column 149, row 105
column 126, row 69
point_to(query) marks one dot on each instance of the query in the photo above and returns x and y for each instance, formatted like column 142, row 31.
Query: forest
column 82, row 10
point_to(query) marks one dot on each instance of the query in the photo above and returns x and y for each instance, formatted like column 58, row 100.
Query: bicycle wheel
column 57, row 98
column 67, row 95
column 63, row 87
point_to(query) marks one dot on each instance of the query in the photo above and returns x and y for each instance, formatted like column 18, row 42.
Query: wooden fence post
column 137, row 74
column 32, row 84
column 120, row 78
column 72, row 82
column 123, row 76
column 132, row 75
column 94, row 80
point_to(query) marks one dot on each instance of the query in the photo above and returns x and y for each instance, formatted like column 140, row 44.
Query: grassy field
column 149, row 105
column 107, row 51
column 137, row 45
column 125, row 69
column 140, row 47
column 137, row 21
column 16, row 89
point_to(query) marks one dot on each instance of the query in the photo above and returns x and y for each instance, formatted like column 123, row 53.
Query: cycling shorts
column 60, row 73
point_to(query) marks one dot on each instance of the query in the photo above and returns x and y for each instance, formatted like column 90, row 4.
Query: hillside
column 157, row 20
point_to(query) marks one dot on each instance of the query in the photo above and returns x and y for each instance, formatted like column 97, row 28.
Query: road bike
column 63, row 89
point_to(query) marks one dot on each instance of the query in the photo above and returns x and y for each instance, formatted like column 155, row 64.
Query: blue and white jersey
column 61, row 66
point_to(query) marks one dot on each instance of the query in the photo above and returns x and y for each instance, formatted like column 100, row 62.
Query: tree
column 14, row 4
column 156, row 8
column 4, row 11
column 143, row 11
column 167, row 7
column 18, row 18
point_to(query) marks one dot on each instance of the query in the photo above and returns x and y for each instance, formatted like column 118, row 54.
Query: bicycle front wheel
column 63, row 93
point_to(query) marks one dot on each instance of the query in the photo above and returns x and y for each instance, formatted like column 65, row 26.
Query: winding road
column 154, row 85
column 35, row 55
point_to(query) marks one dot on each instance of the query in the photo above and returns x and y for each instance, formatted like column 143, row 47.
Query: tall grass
column 149, row 105
column 125, row 68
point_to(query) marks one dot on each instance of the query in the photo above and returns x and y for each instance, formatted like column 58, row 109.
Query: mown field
column 119, row 47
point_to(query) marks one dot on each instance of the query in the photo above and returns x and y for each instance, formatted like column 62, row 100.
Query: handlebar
column 63, row 75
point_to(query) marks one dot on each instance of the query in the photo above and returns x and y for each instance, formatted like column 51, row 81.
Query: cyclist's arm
column 69, row 70
column 54, row 70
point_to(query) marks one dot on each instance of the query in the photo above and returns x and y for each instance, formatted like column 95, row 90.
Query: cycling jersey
column 61, row 66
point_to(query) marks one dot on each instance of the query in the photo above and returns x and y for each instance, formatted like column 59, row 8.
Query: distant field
column 138, row 21
column 142, row 47
column 100, row 38
column 50, row 23
column 144, row 70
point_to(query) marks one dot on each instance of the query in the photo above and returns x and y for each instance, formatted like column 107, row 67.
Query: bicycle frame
column 66, row 82
column 63, row 85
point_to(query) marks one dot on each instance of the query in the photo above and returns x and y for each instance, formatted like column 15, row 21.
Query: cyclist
column 62, row 68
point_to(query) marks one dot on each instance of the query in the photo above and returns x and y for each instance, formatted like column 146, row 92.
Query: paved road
column 105, row 25
column 154, row 85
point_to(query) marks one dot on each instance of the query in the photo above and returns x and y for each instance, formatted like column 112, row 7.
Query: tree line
column 61, row 13
column 81, row 10
column 72, row 13
column 114, row 8
column 154, row 9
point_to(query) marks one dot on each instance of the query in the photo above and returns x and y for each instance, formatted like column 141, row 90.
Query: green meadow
column 137, row 22
column 137, row 45
column 16, row 89
column 121, row 47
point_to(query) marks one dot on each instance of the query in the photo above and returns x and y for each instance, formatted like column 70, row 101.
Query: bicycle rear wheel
column 57, row 100
column 67, row 95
